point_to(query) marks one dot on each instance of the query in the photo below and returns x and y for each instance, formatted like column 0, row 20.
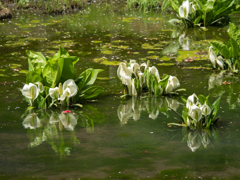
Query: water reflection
column 199, row 138
column 133, row 107
column 218, row 85
column 58, row 128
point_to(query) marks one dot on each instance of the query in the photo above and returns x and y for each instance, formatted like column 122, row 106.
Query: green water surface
column 113, row 138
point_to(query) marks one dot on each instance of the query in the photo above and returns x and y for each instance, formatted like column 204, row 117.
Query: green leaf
column 68, row 71
column 222, row 48
column 92, row 92
column 33, row 77
column 177, row 124
column 184, row 99
column 164, row 82
column 201, row 99
column 94, row 75
column 51, row 74
column 234, row 33
column 175, row 21
column 215, row 107
column 185, row 114
column 83, row 79
column 35, row 60
column 234, row 49
column 78, row 105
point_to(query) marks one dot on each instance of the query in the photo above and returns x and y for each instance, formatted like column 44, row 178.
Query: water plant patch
column 51, row 81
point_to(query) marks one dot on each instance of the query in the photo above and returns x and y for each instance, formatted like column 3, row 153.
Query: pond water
column 113, row 138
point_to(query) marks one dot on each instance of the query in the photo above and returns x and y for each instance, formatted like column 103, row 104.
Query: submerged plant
column 226, row 56
column 52, row 81
column 203, row 12
column 138, row 79
column 198, row 113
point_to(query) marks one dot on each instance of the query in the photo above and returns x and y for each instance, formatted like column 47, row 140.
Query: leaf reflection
column 133, row 107
column 58, row 128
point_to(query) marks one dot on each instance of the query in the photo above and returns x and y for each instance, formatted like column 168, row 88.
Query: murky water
column 112, row 138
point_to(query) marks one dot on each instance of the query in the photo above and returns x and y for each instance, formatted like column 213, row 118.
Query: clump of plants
column 138, row 79
column 51, row 81
column 203, row 12
column 198, row 112
column 226, row 56
column 144, row 4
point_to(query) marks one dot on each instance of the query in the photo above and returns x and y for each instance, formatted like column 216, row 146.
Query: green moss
column 129, row 19
column 34, row 21
column 96, row 42
column 105, row 78
column 194, row 55
column 165, row 64
column 23, row 71
column 106, row 62
column 106, row 52
column 152, row 57
column 165, row 58
column 151, row 52
column 197, row 67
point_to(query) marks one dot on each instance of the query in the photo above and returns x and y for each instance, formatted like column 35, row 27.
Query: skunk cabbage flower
column 172, row 84
column 141, row 78
column 219, row 61
column 54, row 93
column 206, row 110
column 134, row 66
column 212, row 56
column 153, row 70
column 68, row 120
column 191, row 101
column 69, row 90
column 185, row 9
column 40, row 86
column 123, row 70
column 195, row 113
column 31, row 92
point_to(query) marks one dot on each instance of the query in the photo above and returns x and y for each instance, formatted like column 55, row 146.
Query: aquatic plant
column 198, row 113
column 52, row 81
column 226, row 56
column 203, row 12
column 138, row 79
column 144, row 4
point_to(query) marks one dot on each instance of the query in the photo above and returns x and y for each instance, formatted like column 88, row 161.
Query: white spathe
column 153, row 70
column 30, row 91
column 191, row 100
column 123, row 70
column 206, row 110
column 40, row 86
column 184, row 9
column 54, row 93
column 69, row 89
column 195, row 113
column 212, row 56
column 172, row 84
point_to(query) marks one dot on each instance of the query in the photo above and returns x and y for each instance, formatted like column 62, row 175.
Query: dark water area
column 112, row 138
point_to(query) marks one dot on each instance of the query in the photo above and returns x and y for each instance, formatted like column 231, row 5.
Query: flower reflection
column 185, row 42
column 31, row 121
column 58, row 129
column 215, row 80
column 132, row 108
column 199, row 138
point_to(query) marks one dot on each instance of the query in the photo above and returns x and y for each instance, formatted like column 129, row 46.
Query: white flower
column 153, row 70
column 30, row 91
column 206, row 110
column 191, row 100
column 219, row 61
column 212, row 56
column 195, row 113
column 31, row 121
column 172, row 84
column 68, row 120
column 134, row 66
column 141, row 78
column 69, row 89
column 123, row 70
column 40, row 86
column 184, row 9
column 54, row 93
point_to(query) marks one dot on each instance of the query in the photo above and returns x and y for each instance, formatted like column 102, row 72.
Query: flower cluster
column 185, row 9
column 139, row 78
column 60, row 93
column 198, row 112
column 217, row 61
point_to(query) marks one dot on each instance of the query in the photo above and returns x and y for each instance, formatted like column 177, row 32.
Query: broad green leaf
column 68, row 71
column 92, row 92
column 33, row 77
column 184, row 99
column 94, row 75
column 51, row 74
column 164, row 82
column 83, row 79
column 35, row 60
column 201, row 99
column 175, row 5
column 215, row 107
column 234, row 49
column 222, row 48
column 185, row 114
column 234, row 33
